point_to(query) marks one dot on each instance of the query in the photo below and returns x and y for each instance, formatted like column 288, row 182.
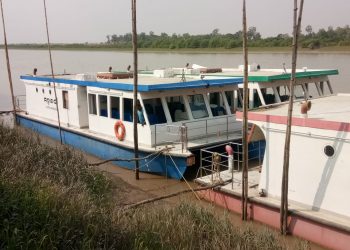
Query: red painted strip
column 309, row 230
column 298, row 121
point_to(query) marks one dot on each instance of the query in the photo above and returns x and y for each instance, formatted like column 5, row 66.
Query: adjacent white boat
column 318, row 171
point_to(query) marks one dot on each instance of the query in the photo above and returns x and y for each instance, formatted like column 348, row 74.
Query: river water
column 70, row 61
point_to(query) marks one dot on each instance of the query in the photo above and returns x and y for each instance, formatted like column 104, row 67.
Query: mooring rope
column 184, row 178
column 52, row 73
column 128, row 159
column 144, row 165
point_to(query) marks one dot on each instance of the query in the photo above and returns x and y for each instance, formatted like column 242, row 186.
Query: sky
column 91, row 20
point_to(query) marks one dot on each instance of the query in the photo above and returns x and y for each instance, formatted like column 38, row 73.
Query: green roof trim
column 284, row 76
column 306, row 74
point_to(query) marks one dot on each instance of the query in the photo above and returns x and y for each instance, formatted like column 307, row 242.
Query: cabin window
column 324, row 88
column 217, row 104
column 50, row 91
column 230, row 99
column 92, row 104
column 115, row 109
column 177, row 108
column 102, row 101
column 256, row 99
column 233, row 101
column 155, row 111
column 36, row 89
column 269, row 95
column 43, row 90
column 311, row 90
column 299, row 92
column 284, row 93
column 198, row 107
column 65, row 99
column 128, row 109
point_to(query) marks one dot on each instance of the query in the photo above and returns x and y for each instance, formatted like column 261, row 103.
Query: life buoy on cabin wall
column 119, row 130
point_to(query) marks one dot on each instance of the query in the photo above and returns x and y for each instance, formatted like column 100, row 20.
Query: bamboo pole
column 194, row 190
column 52, row 73
column 245, row 120
column 8, row 64
column 285, row 174
column 134, row 46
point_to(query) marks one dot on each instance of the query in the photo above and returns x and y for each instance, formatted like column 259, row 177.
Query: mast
column 8, row 63
column 245, row 120
column 285, row 174
column 134, row 46
column 52, row 73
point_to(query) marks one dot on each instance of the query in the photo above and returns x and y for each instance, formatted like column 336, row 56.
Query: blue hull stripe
column 106, row 150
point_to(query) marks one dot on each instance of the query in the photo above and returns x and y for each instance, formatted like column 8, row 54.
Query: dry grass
column 49, row 199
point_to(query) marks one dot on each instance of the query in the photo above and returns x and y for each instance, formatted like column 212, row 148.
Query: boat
column 181, row 111
column 318, row 170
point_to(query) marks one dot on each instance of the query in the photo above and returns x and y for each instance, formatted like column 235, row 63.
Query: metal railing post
column 201, row 164
column 206, row 130
column 183, row 129
column 186, row 138
column 155, row 136
column 233, row 168
column 227, row 127
column 259, row 153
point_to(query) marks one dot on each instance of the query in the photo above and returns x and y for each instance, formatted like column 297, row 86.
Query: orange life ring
column 119, row 130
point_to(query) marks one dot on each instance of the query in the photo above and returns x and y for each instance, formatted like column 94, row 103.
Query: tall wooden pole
column 285, row 174
column 134, row 46
column 245, row 120
column 8, row 63
column 52, row 73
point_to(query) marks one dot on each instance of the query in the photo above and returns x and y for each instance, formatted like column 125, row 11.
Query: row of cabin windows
column 154, row 107
column 98, row 105
column 42, row 90
column 198, row 107
column 300, row 92
column 65, row 99
column 177, row 107
column 114, row 110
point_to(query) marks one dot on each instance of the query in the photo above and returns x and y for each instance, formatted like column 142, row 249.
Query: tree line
column 339, row 36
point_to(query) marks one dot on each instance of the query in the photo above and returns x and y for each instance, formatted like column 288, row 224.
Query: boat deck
column 175, row 148
column 235, row 188
column 322, row 109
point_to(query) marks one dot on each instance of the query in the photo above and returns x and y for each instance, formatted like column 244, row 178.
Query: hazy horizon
column 90, row 21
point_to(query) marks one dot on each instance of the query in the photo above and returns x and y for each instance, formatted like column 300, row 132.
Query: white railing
column 165, row 134
column 220, row 127
column 20, row 102
column 210, row 157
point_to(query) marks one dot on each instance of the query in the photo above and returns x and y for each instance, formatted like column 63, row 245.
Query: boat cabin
column 271, row 86
column 184, row 107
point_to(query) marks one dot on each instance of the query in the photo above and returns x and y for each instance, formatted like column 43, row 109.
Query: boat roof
column 270, row 75
column 145, row 83
column 330, row 112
